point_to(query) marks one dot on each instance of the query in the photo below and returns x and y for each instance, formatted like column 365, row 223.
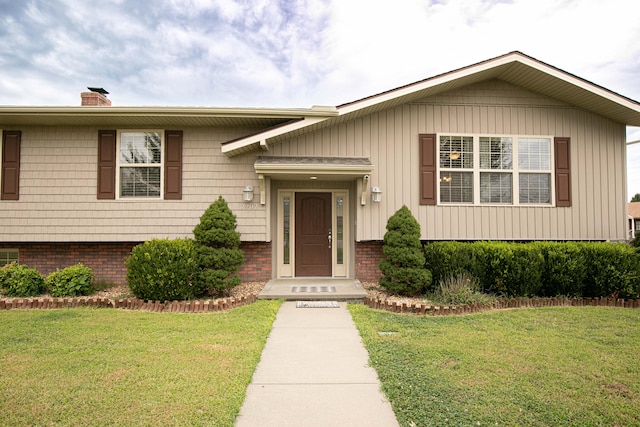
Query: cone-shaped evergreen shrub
column 404, row 264
column 217, row 248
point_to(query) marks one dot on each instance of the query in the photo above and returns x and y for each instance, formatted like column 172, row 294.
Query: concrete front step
column 314, row 289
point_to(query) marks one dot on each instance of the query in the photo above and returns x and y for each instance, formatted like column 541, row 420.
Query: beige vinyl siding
column 58, row 191
column 390, row 139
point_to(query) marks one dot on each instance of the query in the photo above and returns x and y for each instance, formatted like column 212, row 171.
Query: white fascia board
column 486, row 66
column 431, row 82
column 261, row 138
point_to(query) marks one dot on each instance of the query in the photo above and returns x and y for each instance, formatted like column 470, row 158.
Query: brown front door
column 313, row 228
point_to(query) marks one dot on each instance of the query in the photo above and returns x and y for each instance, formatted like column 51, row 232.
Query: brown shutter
column 563, row 171
column 173, row 165
column 10, row 165
column 428, row 180
column 107, row 164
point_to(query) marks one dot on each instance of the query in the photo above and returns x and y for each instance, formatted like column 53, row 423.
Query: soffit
column 313, row 168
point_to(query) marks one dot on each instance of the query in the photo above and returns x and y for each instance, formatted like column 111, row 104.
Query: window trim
column 160, row 166
column 515, row 171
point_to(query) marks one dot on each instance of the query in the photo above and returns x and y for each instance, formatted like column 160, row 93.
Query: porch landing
column 314, row 289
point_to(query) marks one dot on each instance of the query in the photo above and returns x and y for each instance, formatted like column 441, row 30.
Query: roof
column 164, row 117
column 515, row 68
column 633, row 209
column 275, row 125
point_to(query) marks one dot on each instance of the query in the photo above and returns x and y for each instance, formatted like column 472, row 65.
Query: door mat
column 317, row 304
column 301, row 289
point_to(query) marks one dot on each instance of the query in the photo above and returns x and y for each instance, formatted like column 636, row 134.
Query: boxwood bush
column 71, row 281
column 164, row 270
column 18, row 280
column 590, row 269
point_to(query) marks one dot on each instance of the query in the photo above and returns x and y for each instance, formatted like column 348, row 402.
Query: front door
column 313, row 234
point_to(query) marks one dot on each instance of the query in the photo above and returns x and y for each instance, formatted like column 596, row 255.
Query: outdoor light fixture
column 247, row 193
column 376, row 194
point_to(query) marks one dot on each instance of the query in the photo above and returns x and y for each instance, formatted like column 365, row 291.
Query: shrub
column 460, row 289
column 445, row 259
column 217, row 249
column 71, row 281
column 564, row 269
column 613, row 269
column 635, row 242
column 404, row 264
column 163, row 270
column 21, row 281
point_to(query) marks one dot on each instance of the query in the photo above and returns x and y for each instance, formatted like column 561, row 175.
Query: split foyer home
column 510, row 148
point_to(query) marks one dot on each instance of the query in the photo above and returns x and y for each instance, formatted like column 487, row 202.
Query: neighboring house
column 633, row 210
column 506, row 149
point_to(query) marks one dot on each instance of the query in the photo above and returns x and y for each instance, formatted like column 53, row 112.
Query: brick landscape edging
column 432, row 310
column 193, row 306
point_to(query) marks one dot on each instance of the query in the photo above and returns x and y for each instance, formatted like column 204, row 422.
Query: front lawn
column 557, row 366
column 83, row 366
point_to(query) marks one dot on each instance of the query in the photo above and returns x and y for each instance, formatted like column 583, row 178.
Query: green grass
column 559, row 366
column 80, row 367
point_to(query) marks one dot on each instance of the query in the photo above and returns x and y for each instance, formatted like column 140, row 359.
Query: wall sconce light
column 247, row 193
column 376, row 194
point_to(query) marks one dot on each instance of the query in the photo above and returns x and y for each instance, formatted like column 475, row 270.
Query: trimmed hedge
column 163, row 270
column 589, row 269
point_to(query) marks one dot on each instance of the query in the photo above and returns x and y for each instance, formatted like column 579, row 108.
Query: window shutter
column 563, row 171
column 428, row 190
column 10, row 165
column 173, row 165
column 107, row 164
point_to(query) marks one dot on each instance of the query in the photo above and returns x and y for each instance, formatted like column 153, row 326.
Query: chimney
column 96, row 98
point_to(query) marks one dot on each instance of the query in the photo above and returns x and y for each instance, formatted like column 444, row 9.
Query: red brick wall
column 368, row 256
column 107, row 259
column 257, row 262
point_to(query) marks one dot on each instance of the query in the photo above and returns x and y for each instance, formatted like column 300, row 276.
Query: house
column 633, row 210
column 510, row 148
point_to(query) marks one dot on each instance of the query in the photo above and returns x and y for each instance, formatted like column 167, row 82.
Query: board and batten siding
column 390, row 139
column 58, row 183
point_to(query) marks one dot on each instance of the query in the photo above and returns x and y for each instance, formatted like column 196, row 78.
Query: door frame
column 285, row 246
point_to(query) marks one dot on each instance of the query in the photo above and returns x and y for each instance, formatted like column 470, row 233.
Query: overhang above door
column 319, row 168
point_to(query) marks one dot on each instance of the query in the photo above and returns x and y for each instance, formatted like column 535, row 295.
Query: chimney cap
column 98, row 90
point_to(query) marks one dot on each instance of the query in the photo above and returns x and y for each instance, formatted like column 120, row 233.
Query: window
column 140, row 164
column 482, row 170
column 7, row 256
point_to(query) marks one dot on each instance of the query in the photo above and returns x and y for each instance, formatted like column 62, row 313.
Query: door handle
column 329, row 237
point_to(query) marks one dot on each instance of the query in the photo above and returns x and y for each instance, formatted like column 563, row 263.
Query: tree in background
column 404, row 264
column 635, row 198
column 217, row 248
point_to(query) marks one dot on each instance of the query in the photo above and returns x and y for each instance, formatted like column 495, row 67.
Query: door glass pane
column 286, row 227
column 340, row 230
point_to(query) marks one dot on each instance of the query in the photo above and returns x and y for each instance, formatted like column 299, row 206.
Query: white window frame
column 127, row 165
column 515, row 171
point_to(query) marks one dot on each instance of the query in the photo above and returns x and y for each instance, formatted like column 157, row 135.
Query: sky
column 299, row 53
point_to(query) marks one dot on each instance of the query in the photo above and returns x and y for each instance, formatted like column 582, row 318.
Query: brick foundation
column 368, row 256
column 257, row 262
column 107, row 259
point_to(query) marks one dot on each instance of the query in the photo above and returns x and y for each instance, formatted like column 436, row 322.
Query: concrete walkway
column 314, row 372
